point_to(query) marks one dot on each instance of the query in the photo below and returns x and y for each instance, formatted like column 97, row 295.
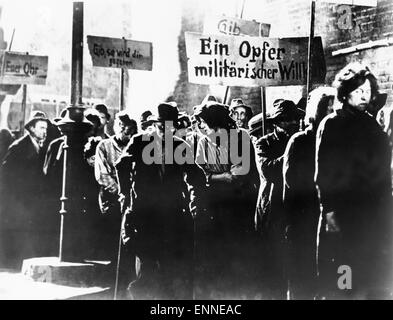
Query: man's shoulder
column 299, row 137
column 104, row 143
column 337, row 118
column 21, row 142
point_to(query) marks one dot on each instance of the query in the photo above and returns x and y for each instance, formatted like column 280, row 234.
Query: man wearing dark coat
column 157, row 222
column 270, row 214
column 301, row 197
column 353, row 177
column 23, row 221
column 6, row 138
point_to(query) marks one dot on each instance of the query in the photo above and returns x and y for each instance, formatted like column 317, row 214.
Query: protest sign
column 252, row 61
column 120, row 53
column 366, row 3
column 18, row 68
column 217, row 24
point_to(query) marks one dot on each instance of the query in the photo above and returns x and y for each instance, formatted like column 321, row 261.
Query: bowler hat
column 36, row 116
column 215, row 115
column 167, row 112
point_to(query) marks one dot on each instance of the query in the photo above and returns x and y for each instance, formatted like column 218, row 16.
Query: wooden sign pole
column 227, row 88
column 24, row 95
column 310, row 49
column 77, row 55
column 122, row 72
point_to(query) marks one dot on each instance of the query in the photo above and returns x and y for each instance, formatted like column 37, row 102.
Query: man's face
column 361, row 96
column 240, row 116
column 204, row 127
column 123, row 130
column 39, row 130
column 103, row 119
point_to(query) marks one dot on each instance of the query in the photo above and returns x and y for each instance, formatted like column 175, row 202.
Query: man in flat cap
column 270, row 221
column 241, row 113
column 22, row 190
column 158, row 220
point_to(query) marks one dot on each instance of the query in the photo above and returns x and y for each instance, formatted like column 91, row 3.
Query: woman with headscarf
column 224, row 235
column 353, row 177
column 301, row 198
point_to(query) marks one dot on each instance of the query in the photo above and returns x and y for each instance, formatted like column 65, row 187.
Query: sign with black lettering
column 235, row 27
column 366, row 3
column 18, row 68
column 120, row 53
column 252, row 61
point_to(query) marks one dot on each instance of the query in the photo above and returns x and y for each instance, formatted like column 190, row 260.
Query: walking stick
column 118, row 262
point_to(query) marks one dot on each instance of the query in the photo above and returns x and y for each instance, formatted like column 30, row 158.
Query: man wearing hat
column 144, row 121
column 240, row 113
column 157, row 220
column 104, row 117
column 108, row 152
column 270, row 212
column 22, row 190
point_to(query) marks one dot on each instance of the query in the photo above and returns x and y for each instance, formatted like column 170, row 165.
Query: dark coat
column 225, row 235
column 22, row 182
column 6, row 138
column 270, row 214
column 300, row 192
column 302, row 211
column 158, row 220
column 269, row 154
column 353, row 176
column 158, row 206
column 23, row 222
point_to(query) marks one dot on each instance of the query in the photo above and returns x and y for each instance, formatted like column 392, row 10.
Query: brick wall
column 368, row 24
column 340, row 26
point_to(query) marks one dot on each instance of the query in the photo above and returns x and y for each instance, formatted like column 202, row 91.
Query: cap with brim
column 167, row 112
column 237, row 103
column 255, row 123
column 285, row 110
column 215, row 114
column 125, row 118
column 36, row 116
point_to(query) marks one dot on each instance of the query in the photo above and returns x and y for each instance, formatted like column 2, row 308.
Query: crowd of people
column 209, row 205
